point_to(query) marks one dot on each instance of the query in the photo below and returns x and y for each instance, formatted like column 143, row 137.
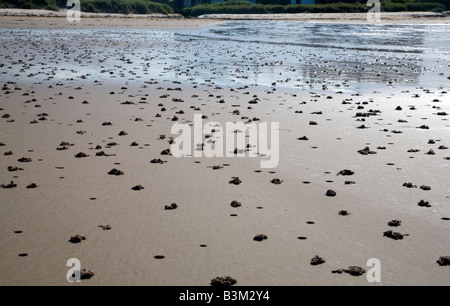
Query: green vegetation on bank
column 231, row 6
column 239, row 7
column 97, row 6
column 244, row 7
column 29, row 4
column 416, row 5
column 125, row 6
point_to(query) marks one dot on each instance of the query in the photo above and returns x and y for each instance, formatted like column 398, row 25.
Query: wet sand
column 44, row 19
column 347, row 18
column 333, row 198
column 18, row 18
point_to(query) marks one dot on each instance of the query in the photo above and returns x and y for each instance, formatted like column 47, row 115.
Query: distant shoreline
column 44, row 19
column 40, row 18
column 386, row 17
column 63, row 13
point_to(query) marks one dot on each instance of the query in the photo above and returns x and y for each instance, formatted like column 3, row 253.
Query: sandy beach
column 348, row 18
column 13, row 18
column 49, row 19
column 74, row 108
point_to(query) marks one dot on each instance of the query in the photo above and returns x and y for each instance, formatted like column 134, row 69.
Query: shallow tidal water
column 240, row 53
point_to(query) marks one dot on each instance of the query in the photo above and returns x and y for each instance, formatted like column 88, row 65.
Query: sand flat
column 43, row 19
column 76, row 195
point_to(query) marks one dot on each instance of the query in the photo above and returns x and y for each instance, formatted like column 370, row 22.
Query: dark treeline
column 243, row 7
column 97, row 6
column 230, row 7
